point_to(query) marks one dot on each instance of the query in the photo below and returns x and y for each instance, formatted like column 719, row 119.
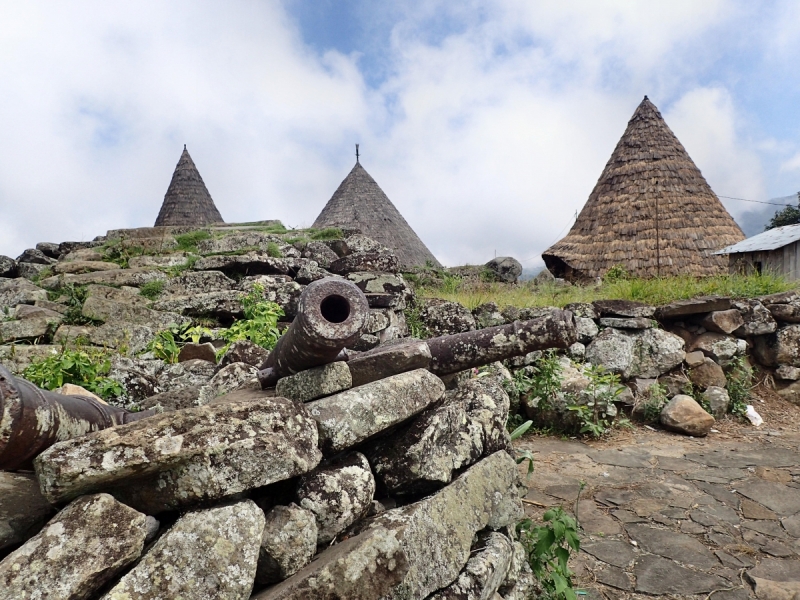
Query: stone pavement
column 678, row 517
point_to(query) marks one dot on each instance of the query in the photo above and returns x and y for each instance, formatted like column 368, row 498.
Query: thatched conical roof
column 359, row 203
column 187, row 201
column 651, row 211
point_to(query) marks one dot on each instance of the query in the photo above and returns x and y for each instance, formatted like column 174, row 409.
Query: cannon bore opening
column 335, row 309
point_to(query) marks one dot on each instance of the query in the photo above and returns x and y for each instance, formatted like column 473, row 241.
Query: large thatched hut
column 651, row 211
column 187, row 201
column 359, row 203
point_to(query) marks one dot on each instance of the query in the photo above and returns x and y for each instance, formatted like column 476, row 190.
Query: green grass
column 187, row 242
column 152, row 289
column 656, row 291
column 330, row 233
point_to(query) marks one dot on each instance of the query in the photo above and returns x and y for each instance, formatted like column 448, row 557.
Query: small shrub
column 740, row 382
column 616, row 273
column 597, row 414
column 274, row 250
column 75, row 297
column 152, row 289
column 548, row 548
column 539, row 384
column 188, row 241
column 86, row 368
column 654, row 402
column 330, row 233
column 260, row 323
column 416, row 326
column 166, row 344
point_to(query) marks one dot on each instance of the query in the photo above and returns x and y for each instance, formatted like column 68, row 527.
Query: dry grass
column 656, row 291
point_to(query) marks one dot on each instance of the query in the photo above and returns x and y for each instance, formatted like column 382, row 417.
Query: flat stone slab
column 315, row 383
column 630, row 323
column 779, row 498
column 730, row 457
column 719, row 475
column 638, row 460
column 670, row 544
column 693, row 306
column 23, row 509
column 389, row 359
column 623, row 308
column 614, row 552
column 656, row 575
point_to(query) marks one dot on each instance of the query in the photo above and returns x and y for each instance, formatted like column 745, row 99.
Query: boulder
column 444, row 439
column 238, row 242
column 198, row 282
column 587, row 329
column 487, row 315
column 436, row 533
column 226, row 304
column 349, row 418
column 8, row 266
column 622, row 308
column 389, row 359
column 693, row 306
column 791, row 393
column 787, row 373
column 779, row 348
column 785, row 313
column 719, row 347
column 389, row 286
column 443, row 317
column 78, row 551
column 116, row 278
column 504, row 269
column 83, row 266
column 582, row 309
column 226, row 380
column 338, row 493
column 208, row 553
column 718, row 401
column 646, row 353
column 48, row 249
column 484, row 572
column 707, row 374
column 179, row 259
column 256, row 262
column 684, row 415
column 365, row 261
column 192, row 351
column 244, row 351
column 694, row 359
column 311, row 272
column 723, row 321
column 320, row 253
column 363, row 567
column 26, row 311
column 288, row 543
column 23, row 509
column 19, row 291
column 101, row 309
column 80, row 254
column 35, row 256
column 128, row 338
column 315, row 383
column 187, row 373
column 28, row 329
column 168, row 461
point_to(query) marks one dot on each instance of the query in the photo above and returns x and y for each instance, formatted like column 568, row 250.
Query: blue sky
column 486, row 123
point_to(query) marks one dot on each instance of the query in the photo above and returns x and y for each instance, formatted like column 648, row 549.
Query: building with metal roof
column 774, row 251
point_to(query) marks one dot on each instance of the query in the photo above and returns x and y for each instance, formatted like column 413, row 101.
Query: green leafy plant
column 73, row 296
column 188, row 241
column 523, row 455
column 196, row 333
column 260, row 322
column 548, row 548
column 152, row 289
column 178, row 270
column 274, row 250
column 166, row 344
column 616, row 273
column 416, row 326
column 596, row 410
column 653, row 403
column 786, row 216
column 86, row 368
column 539, row 383
column 740, row 382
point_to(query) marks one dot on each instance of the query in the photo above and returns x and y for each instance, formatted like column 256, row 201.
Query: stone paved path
column 678, row 517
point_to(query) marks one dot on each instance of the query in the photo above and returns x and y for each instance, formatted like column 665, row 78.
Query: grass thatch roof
column 651, row 211
column 187, row 201
column 359, row 203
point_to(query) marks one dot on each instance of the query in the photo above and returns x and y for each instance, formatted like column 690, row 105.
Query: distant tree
column 787, row 216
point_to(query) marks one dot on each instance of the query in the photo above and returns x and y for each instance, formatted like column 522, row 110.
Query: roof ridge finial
column 184, row 146
column 645, row 97
column 357, row 155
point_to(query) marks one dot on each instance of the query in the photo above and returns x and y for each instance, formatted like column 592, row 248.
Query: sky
column 486, row 123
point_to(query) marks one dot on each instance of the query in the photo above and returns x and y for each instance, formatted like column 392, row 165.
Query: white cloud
column 792, row 164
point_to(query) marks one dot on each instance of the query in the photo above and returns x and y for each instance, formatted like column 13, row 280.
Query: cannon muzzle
column 33, row 419
column 331, row 315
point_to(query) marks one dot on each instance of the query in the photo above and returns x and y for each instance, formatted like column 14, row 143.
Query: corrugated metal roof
column 769, row 240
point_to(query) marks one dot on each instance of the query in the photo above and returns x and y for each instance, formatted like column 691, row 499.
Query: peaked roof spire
column 187, row 201
column 651, row 211
column 359, row 203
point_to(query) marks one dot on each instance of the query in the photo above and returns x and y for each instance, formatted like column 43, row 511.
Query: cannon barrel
column 453, row 353
column 33, row 419
column 331, row 315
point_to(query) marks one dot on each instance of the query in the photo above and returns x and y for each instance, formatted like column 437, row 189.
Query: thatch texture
column 651, row 211
column 187, row 201
column 359, row 203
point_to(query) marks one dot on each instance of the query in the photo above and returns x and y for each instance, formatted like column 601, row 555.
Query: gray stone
column 723, row 321
column 693, row 306
column 684, row 415
column 19, row 291
column 23, row 509
column 779, row 498
column 670, row 544
column 237, row 242
column 28, row 329
column 315, row 383
column 484, row 495
column 720, row 347
column 319, row 252
column 484, row 572
column 8, row 266
column 389, row 285
column 179, row 259
column 757, row 318
column 84, row 266
column 694, row 359
column 488, row 315
column 364, row 261
column 505, row 269
column 32, row 270
column 775, row 579
column 586, row 328
column 577, row 351
column 785, row 313
column 35, row 256
column 127, row 295
column 613, row 576
column 225, row 304
column 102, row 309
column 192, row 351
column 177, row 399
column 718, row 400
column 168, row 461
column 363, row 567
column 582, row 309
column 647, row 353
column 707, row 374
column 443, row 317
column 444, row 439
column 351, row 417
column 80, row 254
column 656, row 575
column 288, row 543
column 389, row 359
column 787, row 373
column 187, row 373
column 779, row 348
column 78, row 551
column 311, row 272
column 630, row 323
column 117, row 277
column 48, row 249
column 226, row 380
column 244, row 351
column 614, row 552
column 338, row 493
column 791, row 393
column 285, row 294
column 26, row 311
column 208, row 553
column 622, row 308
column 613, row 350
column 198, row 282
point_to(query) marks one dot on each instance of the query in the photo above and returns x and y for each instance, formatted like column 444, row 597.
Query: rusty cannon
column 331, row 315
column 33, row 419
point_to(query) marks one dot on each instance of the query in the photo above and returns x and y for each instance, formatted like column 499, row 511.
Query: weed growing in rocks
column 86, row 368
column 152, row 289
column 416, row 326
column 654, row 402
column 541, row 380
column 260, row 323
column 548, row 548
column 166, row 344
column 274, row 251
column 73, row 296
column 740, row 382
column 522, row 455
column 330, row 233
column 188, row 241
column 179, row 270
column 596, row 415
